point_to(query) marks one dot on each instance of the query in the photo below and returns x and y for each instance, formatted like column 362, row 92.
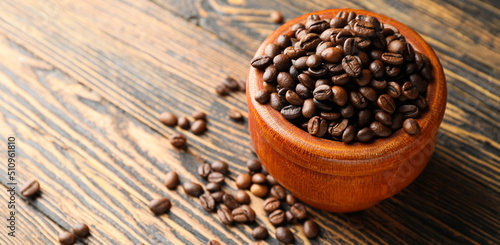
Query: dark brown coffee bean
column 66, row 238
column 282, row 62
column 377, row 68
column 225, row 216
column 317, row 126
column 426, row 72
column 213, row 242
column 347, row 111
column 364, row 78
column 177, row 140
column 290, row 199
column 230, row 201
column 254, row 165
column 317, row 26
column 277, row 217
column 242, row 197
column 272, row 50
column 207, row 202
column 262, row 97
column 419, row 60
column 341, row 36
column 409, row 111
column 220, row 166
column 291, row 112
column 278, row 191
column 418, row 82
column 339, row 96
column 393, row 90
column 380, row 130
column 300, row 34
column 81, row 230
column 171, row 180
column 364, row 117
column 322, row 92
column 314, row 61
column 285, row 80
column 243, row 214
column 284, row 235
column 310, row 41
column 260, row 233
column 421, row 102
column 259, row 178
column 184, row 123
column 384, row 118
column 160, row 205
column 337, row 128
column 276, row 16
column 351, row 66
column 168, row 119
column 270, row 74
column 199, row 127
column 311, row 229
column 330, row 116
column 216, row 177
column 357, row 100
column 341, row 79
column 411, row 126
column 261, row 62
column 299, row 211
column 350, row 46
column 378, row 84
column 284, row 41
column 192, row 189
column 271, row 181
column 338, row 22
column 392, row 59
column 213, row 187
column 393, row 71
column 363, row 43
column 397, row 121
column 218, row 195
column 30, row 189
column 396, row 47
column 318, row 72
column 275, row 101
column 386, row 103
column 332, row 55
column 349, row 134
column 364, row 29
column 271, row 204
column 221, row 89
column 409, row 52
column 259, row 190
column 293, row 98
column 368, row 93
column 199, row 115
column 409, row 91
column 364, row 135
column 303, row 91
column 243, row 181
column 295, row 53
column 376, row 54
column 204, row 170
column 290, row 218
column 306, row 81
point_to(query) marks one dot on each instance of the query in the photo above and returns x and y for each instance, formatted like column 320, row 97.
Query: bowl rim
column 357, row 154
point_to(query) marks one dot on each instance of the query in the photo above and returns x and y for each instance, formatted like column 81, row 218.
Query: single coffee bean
column 290, row 199
column 30, row 189
column 337, row 128
column 393, row 71
column 386, row 103
column 259, row 190
column 198, row 127
column 393, row 89
column 332, row 55
column 254, row 165
column 364, row 78
column 192, row 189
column 378, row 84
column 184, row 123
column 409, row 111
column 339, row 95
column 230, row 201
column 276, row 102
column 216, row 177
column 276, row 16
column 168, row 119
column 384, row 118
column 397, row 121
column 293, row 98
column 409, row 91
column 290, row 218
column 364, row 117
column 314, row 61
column 426, row 72
column 335, row 69
column 243, row 181
column 282, row 62
column 350, row 46
column 308, row 108
column 285, row 80
column 260, row 233
column 376, row 54
column 261, row 62
column 213, row 242
column 295, row 53
column 317, row 26
column 277, row 217
column 231, row 84
column 301, row 63
column 418, row 82
column 318, row 72
column 310, row 41
column 67, row 238
column 368, row 93
column 171, row 180
column 392, row 58
column 330, row 116
column 291, row 112
column 284, row 235
column 338, row 22
column 213, row 187
column 272, row 50
column 177, row 140
column 421, row 102
column 271, row 204
column 284, row 41
column 377, row 68
column 357, row 100
column 221, row 89
column 347, row 111
column 299, row 211
column 271, row 181
column 349, row 134
column 207, row 202
column 320, row 82
column 242, row 197
column 364, row 29
column 218, row 195
column 160, row 205
column 262, row 97
column 396, row 47
column 307, row 81
column 311, row 229
column 411, row 126
column 322, row 92
column 204, row 170
column 380, row 129
column 81, row 230
column 243, row 214
column 278, row 192
column 220, row 166
column 270, row 74
column 341, row 79
column 364, row 135
column 259, row 178
column 317, row 126
column 341, row 36
column 351, row 66
column 225, row 216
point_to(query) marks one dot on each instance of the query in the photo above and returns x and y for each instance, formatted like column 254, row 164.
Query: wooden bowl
column 339, row 177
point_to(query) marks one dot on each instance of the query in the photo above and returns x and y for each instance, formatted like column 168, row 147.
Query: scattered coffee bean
column 178, row 140
column 213, row 187
column 213, row 242
column 311, row 229
column 259, row 178
column 30, row 189
column 225, row 216
column 260, row 233
column 242, row 197
column 207, row 202
column 243, row 214
column 277, row 217
column 199, row 115
column 171, row 180
column 254, row 165
column 271, row 180
column 259, row 190
column 290, row 218
column 271, row 204
column 204, row 170
column 199, row 126
column 216, row 177
column 278, row 192
column 160, row 205
column 290, row 199
column 168, row 119
column 221, row 89
column 411, row 126
column 230, row 201
column 81, row 230
column 218, row 195
column 67, row 238
column 220, row 166
column 299, row 211
column 243, row 181
column 192, row 189
column 184, row 123
column 235, row 115
column 284, row 235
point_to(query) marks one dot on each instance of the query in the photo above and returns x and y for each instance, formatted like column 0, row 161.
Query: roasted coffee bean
column 332, row 55
column 380, row 130
column 364, row 78
column 276, row 16
column 393, row 89
column 213, row 187
column 271, row 204
column 314, row 61
column 284, row 235
column 220, row 166
column 230, row 83
column 378, row 41
column 363, row 43
column 293, row 98
column 225, row 216
column 349, row 134
column 325, row 37
column 318, row 72
column 411, row 126
column 260, row 233
column 242, row 197
column 337, row 128
column 364, row 135
column 339, row 95
column 376, row 54
column 409, row 91
column 192, row 189
column 320, row 82
column 291, row 112
column 417, row 81
column 409, row 52
column 278, row 191
column 317, row 26
column 213, row 242
column 171, row 180
column 243, row 214
column 341, row 36
column 261, row 62
column 207, row 202
column 326, row 105
column 317, row 126
column 30, row 189
column 216, row 177
column 242, row 85
column 338, row 22
column 311, row 229
column 426, row 72
column 310, row 41
column 199, row 127
column 330, row 116
column 322, row 46
column 335, row 69
column 364, row 117
column 350, row 46
column 221, row 89
column 262, row 97
column 300, row 34
column 347, row 111
column 284, row 41
column 275, row 102
column 218, row 195
column 285, row 80
column 254, row 165
column 277, row 217
column 199, row 115
column 357, row 100
column 378, row 84
column 81, row 230
column 204, row 170
column 421, row 102
column 270, row 180
column 397, row 121
column 270, row 74
column 243, row 181
column 351, row 66
column 392, row 59
column 290, row 199
column 307, row 81
column 66, row 238
column 160, row 205
column 377, row 68
column 272, row 50
column 419, row 60
column 364, row 29
column 299, row 211
column 259, row 178
column 294, row 53
column 282, row 62
column 168, row 119
column 386, row 103
column 396, row 47
column 184, row 123
column 303, row 91
column 341, row 79
column 259, row 190
column 323, row 92
column 368, row 93
column 384, row 118
column 290, row 219
column 230, row 201
column 392, row 71
column 177, row 140
column 409, row 111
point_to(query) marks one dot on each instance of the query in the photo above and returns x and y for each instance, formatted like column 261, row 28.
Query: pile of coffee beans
column 198, row 127
column 79, row 230
column 350, row 78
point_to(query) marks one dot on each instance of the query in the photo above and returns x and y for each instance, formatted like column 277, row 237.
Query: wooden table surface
column 83, row 82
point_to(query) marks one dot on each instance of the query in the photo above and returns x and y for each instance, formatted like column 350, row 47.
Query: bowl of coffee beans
column 345, row 107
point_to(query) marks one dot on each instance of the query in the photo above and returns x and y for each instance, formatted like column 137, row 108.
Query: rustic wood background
column 83, row 82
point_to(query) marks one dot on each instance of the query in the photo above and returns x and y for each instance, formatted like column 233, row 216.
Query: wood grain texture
column 82, row 84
